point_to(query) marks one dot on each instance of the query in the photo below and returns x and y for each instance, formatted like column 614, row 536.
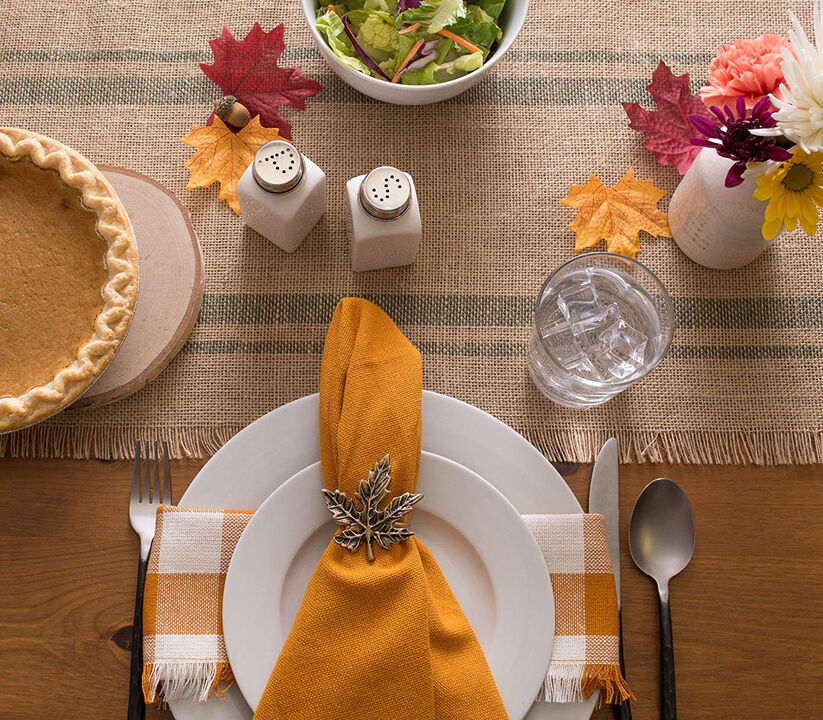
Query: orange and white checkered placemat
column 585, row 653
column 185, row 654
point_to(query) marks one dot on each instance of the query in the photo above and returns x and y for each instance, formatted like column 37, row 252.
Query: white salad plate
column 264, row 455
column 490, row 559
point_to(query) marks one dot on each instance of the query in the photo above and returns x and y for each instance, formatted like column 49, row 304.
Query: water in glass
column 597, row 330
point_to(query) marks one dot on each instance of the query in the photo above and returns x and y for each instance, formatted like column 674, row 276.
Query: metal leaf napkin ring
column 369, row 523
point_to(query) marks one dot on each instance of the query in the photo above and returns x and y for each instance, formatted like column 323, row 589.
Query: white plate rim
column 523, row 600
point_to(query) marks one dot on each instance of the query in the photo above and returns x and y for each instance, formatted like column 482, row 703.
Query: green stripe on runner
column 534, row 91
column 746, row 352
column 499, row 350
column 739, row 313
column 298, row 54
column 406, row 309
column 499, row 310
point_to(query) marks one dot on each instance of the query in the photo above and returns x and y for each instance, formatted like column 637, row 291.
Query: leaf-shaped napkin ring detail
column 369, row 523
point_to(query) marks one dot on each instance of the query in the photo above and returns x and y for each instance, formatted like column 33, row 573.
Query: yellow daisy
column 794, row 192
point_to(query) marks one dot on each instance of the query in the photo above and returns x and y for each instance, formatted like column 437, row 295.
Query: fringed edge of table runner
column 694, row 447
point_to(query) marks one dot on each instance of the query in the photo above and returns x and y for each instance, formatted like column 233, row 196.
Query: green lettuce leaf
column 330, row 27
column 492, row 7
column 479, row 28
column 434, row 15
column 441, row 72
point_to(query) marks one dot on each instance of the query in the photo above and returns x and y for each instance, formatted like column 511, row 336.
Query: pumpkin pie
column 68, row 276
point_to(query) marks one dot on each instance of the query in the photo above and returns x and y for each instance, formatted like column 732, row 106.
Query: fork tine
column 155, row 495
column 166, row 475
column 147, row 472
column 135, row 482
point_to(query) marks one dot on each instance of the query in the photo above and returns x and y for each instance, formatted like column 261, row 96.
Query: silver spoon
column 661, row 541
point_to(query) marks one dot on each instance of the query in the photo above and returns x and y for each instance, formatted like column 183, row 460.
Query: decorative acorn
column 232, row 112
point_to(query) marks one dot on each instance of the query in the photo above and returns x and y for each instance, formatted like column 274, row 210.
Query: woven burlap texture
column 119, row 81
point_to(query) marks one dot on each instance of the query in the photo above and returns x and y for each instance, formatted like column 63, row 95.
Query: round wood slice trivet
column 170, row 292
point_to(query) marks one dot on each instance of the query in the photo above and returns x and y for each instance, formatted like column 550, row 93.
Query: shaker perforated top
column 278, row 166
column 385, row 193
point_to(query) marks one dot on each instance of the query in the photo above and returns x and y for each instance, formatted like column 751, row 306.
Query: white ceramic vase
column 716, row 226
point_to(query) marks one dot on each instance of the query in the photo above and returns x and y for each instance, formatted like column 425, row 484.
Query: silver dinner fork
column 146, row 497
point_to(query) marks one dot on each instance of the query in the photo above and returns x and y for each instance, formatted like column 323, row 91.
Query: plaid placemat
column 120, row 82
column 184, row 651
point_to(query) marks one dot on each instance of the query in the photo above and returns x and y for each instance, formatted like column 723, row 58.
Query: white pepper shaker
column 384, row 219
column 282, row 194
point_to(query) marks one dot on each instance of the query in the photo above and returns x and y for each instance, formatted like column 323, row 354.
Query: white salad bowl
column 511, row 21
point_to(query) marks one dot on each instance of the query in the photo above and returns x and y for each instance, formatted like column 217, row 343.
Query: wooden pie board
column 170, row 291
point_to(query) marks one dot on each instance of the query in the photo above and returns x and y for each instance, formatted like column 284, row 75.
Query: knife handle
column 624, row 708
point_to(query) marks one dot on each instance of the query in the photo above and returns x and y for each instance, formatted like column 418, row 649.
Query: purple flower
column 731, row 138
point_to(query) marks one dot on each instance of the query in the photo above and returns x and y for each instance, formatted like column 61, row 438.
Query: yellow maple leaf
column 222, row 155
column 616, row 215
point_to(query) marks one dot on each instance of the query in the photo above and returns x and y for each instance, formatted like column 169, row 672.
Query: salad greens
column 414, row 42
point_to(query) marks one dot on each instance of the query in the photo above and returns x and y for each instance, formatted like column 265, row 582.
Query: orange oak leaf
column 616, row 215
column 222, row 155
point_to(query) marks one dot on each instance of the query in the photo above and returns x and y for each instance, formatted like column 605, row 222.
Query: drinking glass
column 602, row 322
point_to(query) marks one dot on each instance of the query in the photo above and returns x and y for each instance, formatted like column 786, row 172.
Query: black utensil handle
column 668, row 703
column 137, row 705
column 624, row 708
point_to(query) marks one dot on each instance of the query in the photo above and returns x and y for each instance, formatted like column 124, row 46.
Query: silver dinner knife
column 604, row 498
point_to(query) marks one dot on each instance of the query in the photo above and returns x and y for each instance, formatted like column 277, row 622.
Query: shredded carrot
column 459, row 40
column 331, row 7
column 408, row 59
column 410, row 28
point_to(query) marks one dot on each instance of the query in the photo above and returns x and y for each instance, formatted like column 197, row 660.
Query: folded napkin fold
column 379, row 633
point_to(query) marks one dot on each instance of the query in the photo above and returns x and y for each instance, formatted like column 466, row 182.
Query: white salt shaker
column 282, row 194
column 384, row 219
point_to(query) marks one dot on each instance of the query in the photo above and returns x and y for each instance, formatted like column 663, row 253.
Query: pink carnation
column 748, row 68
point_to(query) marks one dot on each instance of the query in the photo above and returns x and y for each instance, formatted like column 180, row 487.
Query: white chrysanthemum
column 800, row 105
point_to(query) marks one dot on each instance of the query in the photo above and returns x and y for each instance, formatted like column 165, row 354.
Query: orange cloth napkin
column 380, row 640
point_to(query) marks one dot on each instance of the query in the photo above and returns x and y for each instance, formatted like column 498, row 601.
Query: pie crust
column 68, row 289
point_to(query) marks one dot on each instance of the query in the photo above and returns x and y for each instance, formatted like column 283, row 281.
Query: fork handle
column 137, row 705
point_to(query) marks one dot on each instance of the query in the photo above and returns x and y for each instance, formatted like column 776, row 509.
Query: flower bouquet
column 760, row 167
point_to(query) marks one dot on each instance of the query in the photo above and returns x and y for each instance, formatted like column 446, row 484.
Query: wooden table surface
column 747, row 612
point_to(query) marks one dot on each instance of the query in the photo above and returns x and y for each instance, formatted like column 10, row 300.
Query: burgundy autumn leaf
column 667, row 129
column 248, row 70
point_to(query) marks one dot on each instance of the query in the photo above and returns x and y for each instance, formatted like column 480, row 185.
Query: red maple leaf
column 667, row 129
column 248, row 70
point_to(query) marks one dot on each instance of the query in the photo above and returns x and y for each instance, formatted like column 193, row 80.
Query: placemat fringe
column 181, row 680
column 693, row 447
column 563, row 683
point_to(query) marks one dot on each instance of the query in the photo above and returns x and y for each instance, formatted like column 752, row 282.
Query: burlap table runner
column 120, row 82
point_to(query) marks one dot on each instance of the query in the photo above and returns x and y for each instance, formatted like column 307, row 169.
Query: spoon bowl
column 661, row 542
column 661, row 531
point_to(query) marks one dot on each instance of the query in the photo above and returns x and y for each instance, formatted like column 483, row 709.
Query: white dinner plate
column 487, row 554
column 262, row 456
